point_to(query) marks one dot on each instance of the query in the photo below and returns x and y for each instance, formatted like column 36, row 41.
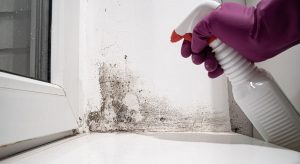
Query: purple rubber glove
column 256, row 33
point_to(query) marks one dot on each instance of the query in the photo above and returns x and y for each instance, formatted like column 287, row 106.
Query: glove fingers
column 200, row 36
column 198, row 44
column 219, row 71
column 198, row 58
column 212, row 65
column 186, row 50
column 211, row 62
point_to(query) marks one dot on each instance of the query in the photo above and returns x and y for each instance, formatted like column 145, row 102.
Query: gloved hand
column 256, row 33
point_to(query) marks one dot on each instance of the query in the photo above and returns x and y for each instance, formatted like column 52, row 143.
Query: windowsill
column 176, row 148
column 15, row 82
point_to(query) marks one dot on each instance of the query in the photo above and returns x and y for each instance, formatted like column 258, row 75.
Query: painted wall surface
column 133, row 78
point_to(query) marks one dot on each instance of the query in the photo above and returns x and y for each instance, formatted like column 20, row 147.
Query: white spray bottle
column 254, row 89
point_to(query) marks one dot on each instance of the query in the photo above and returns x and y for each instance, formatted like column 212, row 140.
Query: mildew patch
column 119, row 109
column 126, row 106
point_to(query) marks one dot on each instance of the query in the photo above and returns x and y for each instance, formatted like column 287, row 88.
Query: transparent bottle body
column 260, row 98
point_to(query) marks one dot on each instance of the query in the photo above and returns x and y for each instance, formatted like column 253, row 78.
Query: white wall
column 135, row 36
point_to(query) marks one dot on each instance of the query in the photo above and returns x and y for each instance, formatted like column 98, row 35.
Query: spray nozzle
column 185, row 28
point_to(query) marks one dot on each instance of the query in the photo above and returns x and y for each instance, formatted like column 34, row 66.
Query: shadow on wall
column 126, row 106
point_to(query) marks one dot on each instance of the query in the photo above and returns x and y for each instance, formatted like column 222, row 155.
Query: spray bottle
column 254, row 90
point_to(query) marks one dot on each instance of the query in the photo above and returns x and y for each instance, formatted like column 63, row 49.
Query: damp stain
column 126, row 107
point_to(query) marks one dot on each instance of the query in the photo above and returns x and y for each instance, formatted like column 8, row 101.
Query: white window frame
column 32, row 109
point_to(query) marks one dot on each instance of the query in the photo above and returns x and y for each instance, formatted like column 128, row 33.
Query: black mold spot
column 75, row 131
column 236, row 130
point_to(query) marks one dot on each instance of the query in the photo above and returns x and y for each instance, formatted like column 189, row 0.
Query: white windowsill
column 15, row 82
column 158, row 148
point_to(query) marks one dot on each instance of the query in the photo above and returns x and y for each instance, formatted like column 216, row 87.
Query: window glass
column 24, row 38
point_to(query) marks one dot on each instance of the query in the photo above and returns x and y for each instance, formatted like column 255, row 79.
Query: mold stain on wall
column 126, row 106
column 124, row 103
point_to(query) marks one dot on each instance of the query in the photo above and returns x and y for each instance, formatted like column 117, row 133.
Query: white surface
column 25, row 115
column 175, row 148
column 11, row 149
column 15, row 82
column 109, row 30
column 65, row 51
column 31, row 109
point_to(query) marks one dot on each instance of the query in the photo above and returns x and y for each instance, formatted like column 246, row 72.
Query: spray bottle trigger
column 188, row 36
column 176, row 37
